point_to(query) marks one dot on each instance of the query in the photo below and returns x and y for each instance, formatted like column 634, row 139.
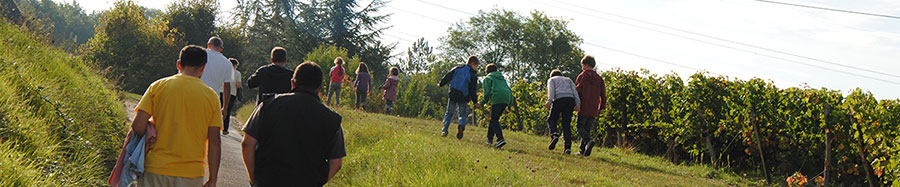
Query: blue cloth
column 460, row 80
column 134, row 159
column 452, row 107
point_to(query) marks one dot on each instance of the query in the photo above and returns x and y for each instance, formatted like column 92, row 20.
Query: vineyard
column 748, row 126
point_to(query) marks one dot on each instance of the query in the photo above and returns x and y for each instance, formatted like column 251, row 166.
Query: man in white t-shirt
column 218, row 74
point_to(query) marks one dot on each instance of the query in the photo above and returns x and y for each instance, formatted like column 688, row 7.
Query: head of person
column 588, row 63
column 473, row 62
column 234, row 62
column 362, row 68
column 192, row 60
column 307, row 75
column 395, row 71
column 215, row 44
column 279, row 55
column 490, row 68
column 555, row 73
column 338, row 61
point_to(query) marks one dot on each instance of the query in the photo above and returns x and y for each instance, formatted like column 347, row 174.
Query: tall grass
column 393, row 151
column 60, row 123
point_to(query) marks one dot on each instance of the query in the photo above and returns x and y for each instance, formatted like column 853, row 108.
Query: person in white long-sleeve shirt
column 562, row 99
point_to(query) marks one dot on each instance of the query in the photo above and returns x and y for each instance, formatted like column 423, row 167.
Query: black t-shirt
column 296, row 135
column 270, row 79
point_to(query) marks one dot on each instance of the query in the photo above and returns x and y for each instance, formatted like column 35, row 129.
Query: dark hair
column 215, row 41
column 279, row 54
column 362, row 68
column 309, row 75
column 555, row 72
column 338, row 60
column 395, row 71
column 588, row 60
column 473, row 60
column 491, row 68
column 234, row 61
column 192, row 56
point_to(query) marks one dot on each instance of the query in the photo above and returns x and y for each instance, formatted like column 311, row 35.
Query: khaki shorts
column 154, row 180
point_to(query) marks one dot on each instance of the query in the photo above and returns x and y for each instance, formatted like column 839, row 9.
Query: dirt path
column 231, row 168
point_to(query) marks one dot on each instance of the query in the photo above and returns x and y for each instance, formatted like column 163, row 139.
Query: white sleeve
column 229, row 72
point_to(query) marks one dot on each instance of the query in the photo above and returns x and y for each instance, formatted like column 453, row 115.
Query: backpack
column 460, row 80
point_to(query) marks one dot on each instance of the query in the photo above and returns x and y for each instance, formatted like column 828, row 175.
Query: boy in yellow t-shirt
column 186, row 114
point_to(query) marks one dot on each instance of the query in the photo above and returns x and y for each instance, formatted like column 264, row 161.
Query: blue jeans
column 452, row 108
column 334, row 89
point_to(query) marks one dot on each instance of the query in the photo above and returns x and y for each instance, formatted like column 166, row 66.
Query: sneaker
column 443, row 134
column 568, row 151
column 500, row 144
column 224, row 132
column 554, row 138
column 489, row 142
column 459, row 135
column 590, row 146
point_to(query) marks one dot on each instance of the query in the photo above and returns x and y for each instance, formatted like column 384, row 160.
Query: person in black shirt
column 272, row 79
column 293, row 139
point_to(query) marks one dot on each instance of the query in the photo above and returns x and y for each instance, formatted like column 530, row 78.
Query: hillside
column 393, row 151
column 60, row 125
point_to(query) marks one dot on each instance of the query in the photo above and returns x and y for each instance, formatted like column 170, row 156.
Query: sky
column 791, row 46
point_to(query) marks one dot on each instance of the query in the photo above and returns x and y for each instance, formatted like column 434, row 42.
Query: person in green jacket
column 498, row 92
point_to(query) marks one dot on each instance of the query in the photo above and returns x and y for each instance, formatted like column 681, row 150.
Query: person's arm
column 248, row 150
column 214, row 150
column 334, row 165
column 447, row 78
column 253, row 81
column 602, row 94
column 139, row 124
column 550, row 93
column 473, row 88
column 226, row 96
column 572, row 87
column 486, row 89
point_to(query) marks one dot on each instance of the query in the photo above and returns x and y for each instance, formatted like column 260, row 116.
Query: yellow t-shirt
column 182, row 108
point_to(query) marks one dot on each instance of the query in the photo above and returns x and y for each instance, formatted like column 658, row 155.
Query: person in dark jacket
column 272, row 79
column 293, row 139
column 362, row 85
column 390, row 89
column 497, row 91
column 592, row 91
column 463, row 82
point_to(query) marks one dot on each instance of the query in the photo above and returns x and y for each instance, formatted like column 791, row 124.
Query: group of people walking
column 292, row 138
column 586, row 95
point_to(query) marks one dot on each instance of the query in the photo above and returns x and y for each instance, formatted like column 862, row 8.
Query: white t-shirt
column 237, row 79
column 218, row 71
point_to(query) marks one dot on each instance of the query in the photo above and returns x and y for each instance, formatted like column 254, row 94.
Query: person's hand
column 370, row 93
column 577, row 107
column 547, row 105
column 223, row 113
column 210, row 184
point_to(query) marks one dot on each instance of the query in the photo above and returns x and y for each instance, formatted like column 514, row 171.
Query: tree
column 418, row 57
column 192, row 22
column 133, row 50
column 69, row 23
column 517, row 43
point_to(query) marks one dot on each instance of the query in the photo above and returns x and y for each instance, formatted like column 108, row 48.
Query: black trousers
column 494, row 126
column 562, row 108
column 584, row 126
column 226, row 120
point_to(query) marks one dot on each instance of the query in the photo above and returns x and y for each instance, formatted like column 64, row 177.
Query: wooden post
column 828, row 160
column 862, row 158
column 762, row 156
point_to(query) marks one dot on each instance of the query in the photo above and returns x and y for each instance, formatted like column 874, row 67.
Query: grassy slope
column 59, row 123
column 392, row 151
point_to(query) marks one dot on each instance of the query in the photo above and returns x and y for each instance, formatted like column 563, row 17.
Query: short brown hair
column 473, row 60
column 395, row 71
column 588, row 60
column 309, row 75
column 279, row 54
column 555, row 72
column 491, row 68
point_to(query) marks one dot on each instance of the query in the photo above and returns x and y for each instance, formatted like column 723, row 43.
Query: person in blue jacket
column 463, row 80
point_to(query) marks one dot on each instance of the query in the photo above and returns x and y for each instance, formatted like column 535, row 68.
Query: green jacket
column 496, row 90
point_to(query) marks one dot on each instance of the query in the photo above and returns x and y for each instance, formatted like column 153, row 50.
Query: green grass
column 393, row 151
column 60, row 123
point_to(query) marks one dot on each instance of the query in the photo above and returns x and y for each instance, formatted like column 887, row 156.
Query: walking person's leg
column 490, row 130
column 567, row 108
column 448, row 116
column 584, row 131
column 463, row 108
column 227, row 118
column 552, row 120
column 388, row 105
column 496, row 112
column 337, row 92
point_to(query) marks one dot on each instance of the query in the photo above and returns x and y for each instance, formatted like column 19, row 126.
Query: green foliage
column 130, row 49
column 60, row 125
column 69, row 23
column 520, row 44
column 192, row 22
